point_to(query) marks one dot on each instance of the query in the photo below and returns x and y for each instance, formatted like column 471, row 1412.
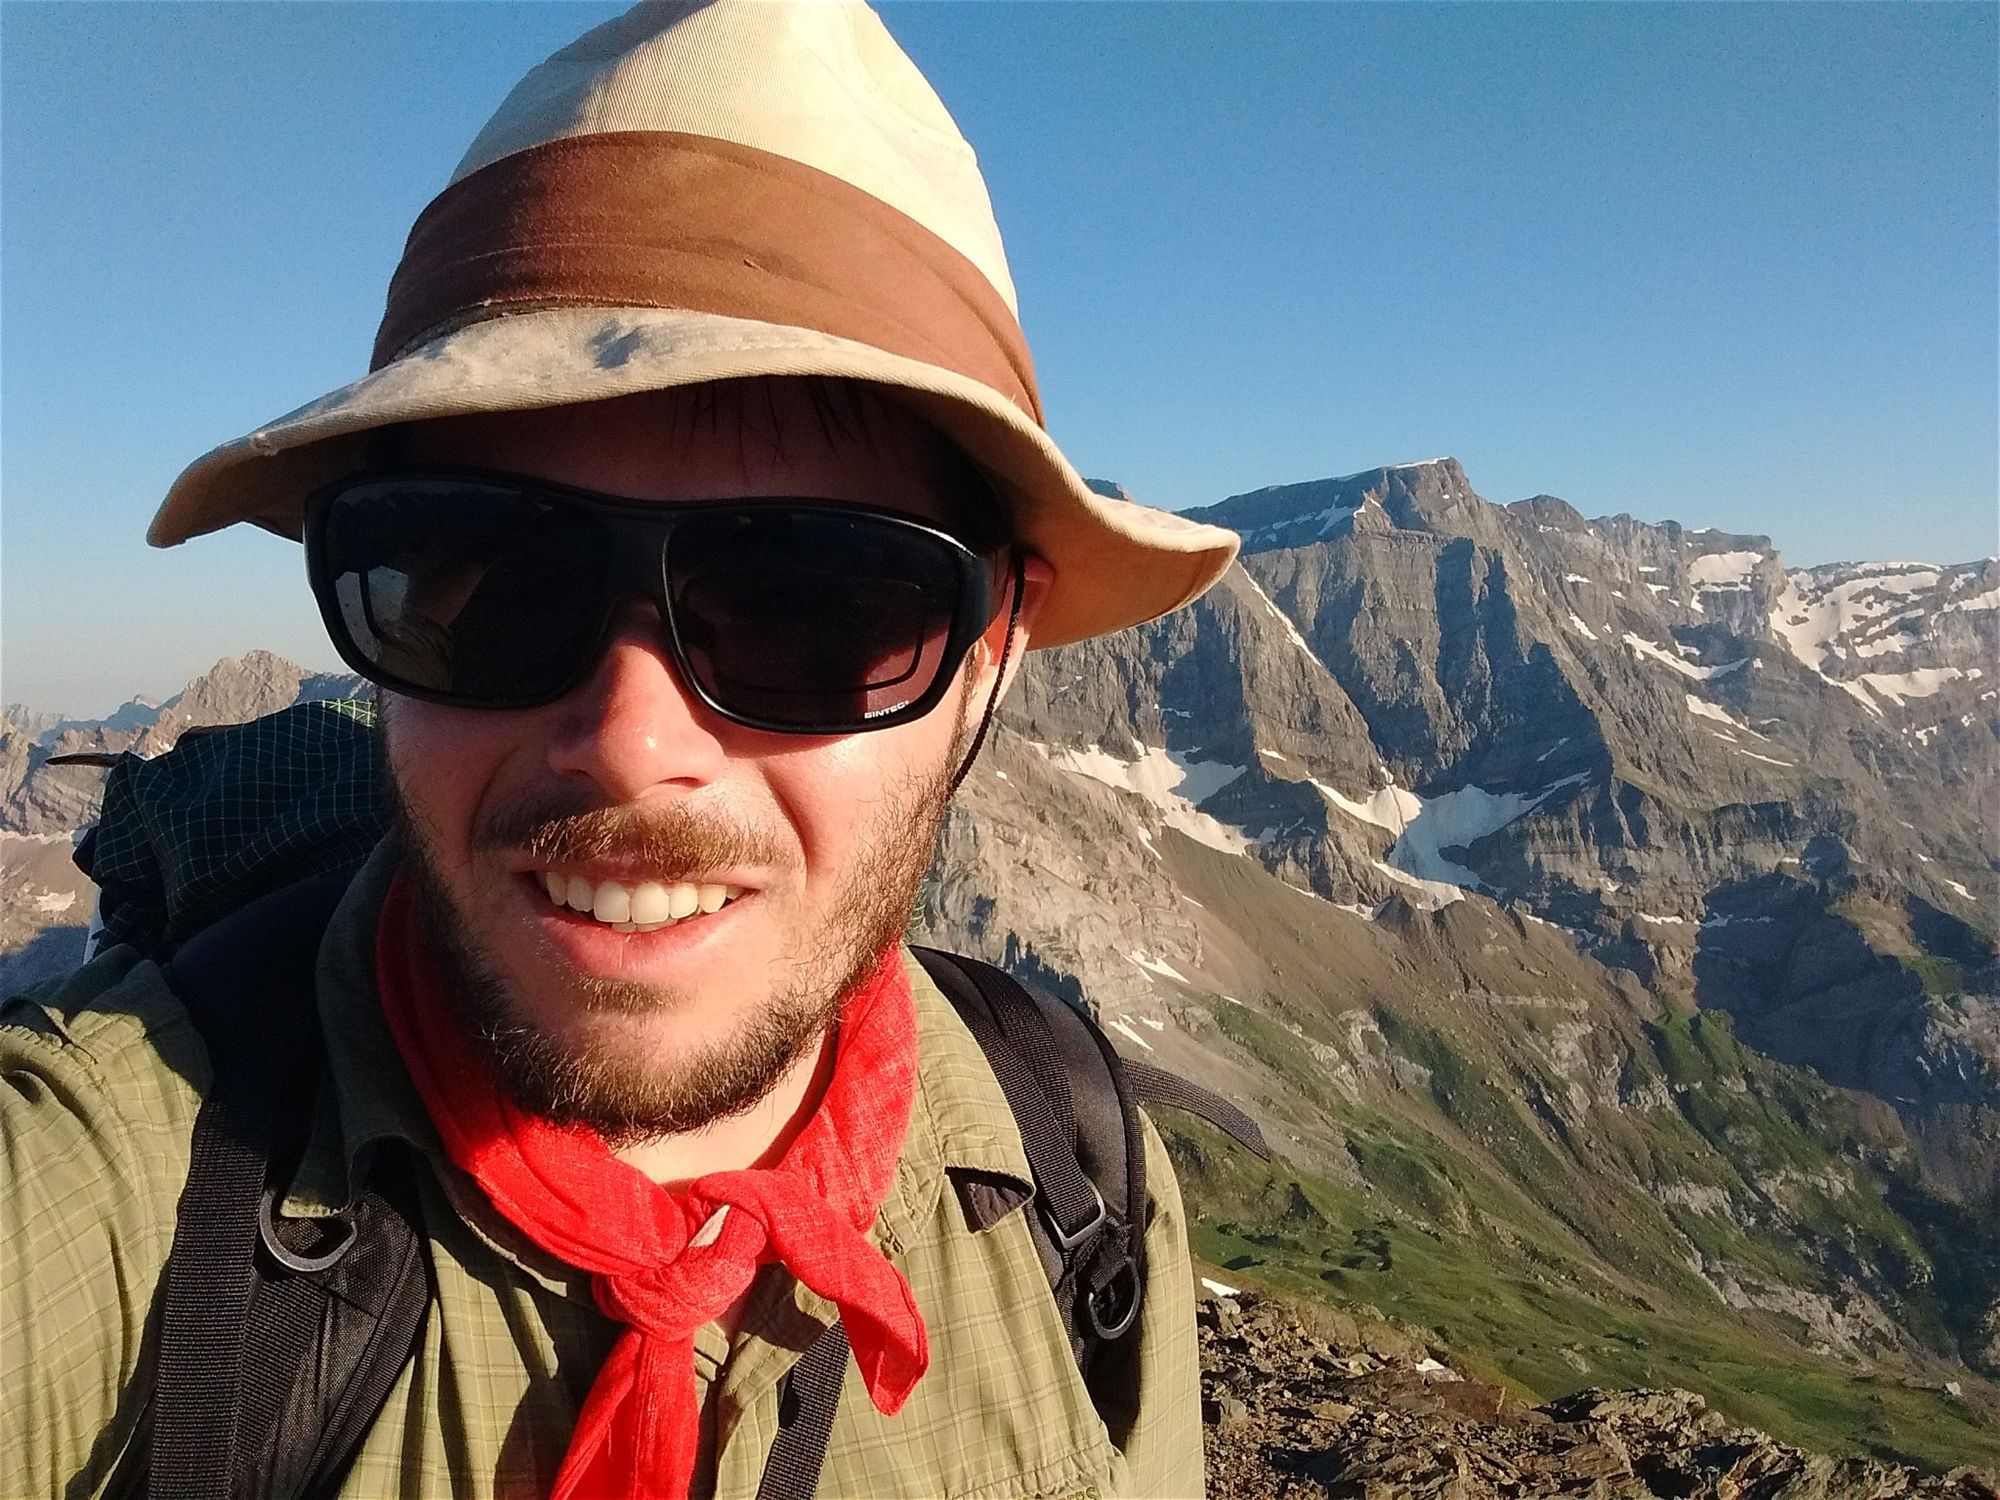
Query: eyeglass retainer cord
column 999, row 678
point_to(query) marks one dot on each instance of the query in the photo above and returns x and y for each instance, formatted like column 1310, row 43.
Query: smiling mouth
column 645, row 906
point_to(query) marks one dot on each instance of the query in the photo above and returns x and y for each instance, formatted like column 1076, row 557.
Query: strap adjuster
column 1069, row 1240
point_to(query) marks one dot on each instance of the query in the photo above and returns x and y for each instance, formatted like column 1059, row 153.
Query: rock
column 1220, row 1313
column 1224, row 1411
column 1323, row 1421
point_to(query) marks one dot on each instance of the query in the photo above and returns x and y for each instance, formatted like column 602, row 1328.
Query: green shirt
column 103, row 1077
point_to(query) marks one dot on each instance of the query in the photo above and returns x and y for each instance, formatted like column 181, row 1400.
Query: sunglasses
column 794, row 616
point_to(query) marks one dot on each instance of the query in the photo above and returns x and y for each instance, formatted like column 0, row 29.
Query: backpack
column 281, row 1339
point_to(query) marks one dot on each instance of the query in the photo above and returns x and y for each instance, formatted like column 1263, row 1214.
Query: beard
column 625, row 1093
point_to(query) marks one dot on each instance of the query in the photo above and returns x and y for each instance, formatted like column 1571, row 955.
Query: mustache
column 672, row 839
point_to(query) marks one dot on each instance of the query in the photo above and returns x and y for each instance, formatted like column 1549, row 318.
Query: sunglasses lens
column 812, row 619
column 472, row 593
column 492, row 595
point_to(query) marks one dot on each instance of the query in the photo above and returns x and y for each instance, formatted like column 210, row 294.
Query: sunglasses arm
column 1019, row 571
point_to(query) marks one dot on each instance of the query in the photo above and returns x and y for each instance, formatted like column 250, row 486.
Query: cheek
column 442, row 761
column 844, row 797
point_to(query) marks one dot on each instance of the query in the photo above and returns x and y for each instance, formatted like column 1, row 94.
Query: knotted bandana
column 661, row 1262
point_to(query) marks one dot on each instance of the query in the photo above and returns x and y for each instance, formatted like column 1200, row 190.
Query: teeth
column 612, row 903
column 646, row 907
column 650, row 903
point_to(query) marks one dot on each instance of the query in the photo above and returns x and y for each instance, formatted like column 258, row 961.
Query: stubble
column 607, row 1086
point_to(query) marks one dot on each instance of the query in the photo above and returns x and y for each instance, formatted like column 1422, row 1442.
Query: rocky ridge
column 1298, row 1404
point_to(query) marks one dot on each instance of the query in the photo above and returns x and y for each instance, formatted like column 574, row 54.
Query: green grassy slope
column 1567, row 1181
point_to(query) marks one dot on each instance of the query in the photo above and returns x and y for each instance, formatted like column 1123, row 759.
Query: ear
column 1037, row 578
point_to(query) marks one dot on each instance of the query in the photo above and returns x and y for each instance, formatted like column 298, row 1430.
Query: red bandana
column 561, row 1187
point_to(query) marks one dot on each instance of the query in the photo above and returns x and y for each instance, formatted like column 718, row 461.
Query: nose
column 633, row 727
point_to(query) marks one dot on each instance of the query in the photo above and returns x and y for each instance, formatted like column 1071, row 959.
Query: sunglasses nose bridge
column 635, row 567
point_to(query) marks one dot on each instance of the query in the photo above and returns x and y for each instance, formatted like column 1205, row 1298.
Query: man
column 692, row 521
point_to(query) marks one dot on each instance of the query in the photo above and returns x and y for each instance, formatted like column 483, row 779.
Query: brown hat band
column 671, row 220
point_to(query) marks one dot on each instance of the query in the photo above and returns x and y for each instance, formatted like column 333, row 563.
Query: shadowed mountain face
column 1598, row 915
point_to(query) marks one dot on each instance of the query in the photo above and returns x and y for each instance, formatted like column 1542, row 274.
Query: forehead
column 714, row 442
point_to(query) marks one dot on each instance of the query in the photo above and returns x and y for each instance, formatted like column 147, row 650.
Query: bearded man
column 692, row 522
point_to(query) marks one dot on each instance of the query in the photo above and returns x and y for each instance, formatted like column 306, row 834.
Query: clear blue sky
column 1728, row 264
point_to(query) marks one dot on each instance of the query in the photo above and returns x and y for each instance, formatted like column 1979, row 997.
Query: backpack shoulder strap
column 273, row 1335
column 1080, row 1129
column 1166, row 1090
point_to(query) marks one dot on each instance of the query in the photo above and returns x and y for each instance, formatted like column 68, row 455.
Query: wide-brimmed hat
column 697, row 192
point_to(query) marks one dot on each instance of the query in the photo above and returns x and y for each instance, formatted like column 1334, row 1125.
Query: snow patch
column 1988, row 600
column 1922, row 683
column 1168, row 780
column 1431, row 895
column 1291, row 630
column 52, row 903
column 1426, row 826
column 1581, row 629
column 1653, row 651
column 1708, row 710
column 1156, row 966
column 1960, row 889
column 1853, row 691
column 1724, row 569
column 1577, row 578
column 1326, row 520
column 1270, row 755
column 1219, row 1289
column 1769, row 760
column 1863, row 610
column 1118, row 1025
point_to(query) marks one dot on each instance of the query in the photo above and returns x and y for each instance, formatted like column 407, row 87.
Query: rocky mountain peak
column 1550, row 511
column 1429, row 497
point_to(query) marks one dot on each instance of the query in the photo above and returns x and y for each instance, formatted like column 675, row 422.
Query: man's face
column 631, row 780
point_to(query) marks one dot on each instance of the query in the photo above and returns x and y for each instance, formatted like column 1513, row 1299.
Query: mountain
column 1598, row 915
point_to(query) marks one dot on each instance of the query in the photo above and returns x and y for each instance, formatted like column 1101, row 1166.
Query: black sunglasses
column 490, row 591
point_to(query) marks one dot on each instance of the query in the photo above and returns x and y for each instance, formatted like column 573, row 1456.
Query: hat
column 707, row 191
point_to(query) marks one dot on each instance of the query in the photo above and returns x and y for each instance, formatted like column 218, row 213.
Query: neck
column 758, row 1137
